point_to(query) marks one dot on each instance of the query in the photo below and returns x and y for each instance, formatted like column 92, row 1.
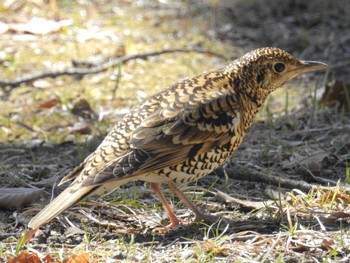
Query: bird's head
column 265, row 69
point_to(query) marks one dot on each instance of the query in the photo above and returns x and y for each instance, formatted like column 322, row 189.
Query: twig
column 122, row 229
column 255, row 176
column 98, row 68
column 225, row 198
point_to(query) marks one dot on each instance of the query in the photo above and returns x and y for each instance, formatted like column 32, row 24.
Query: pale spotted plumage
column 183, row 132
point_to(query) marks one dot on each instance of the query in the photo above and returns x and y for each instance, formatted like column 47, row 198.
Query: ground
column 284, row 195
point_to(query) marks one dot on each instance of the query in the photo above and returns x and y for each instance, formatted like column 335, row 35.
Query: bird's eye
column 279, row 67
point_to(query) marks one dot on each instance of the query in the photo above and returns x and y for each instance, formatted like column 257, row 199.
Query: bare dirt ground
column 283, row 197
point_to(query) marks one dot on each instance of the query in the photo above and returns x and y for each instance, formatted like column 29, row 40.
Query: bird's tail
column 66, row 199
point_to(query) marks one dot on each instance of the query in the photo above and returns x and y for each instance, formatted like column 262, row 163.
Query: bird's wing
column 170, row 140
column 188, row 118
column 167, row 138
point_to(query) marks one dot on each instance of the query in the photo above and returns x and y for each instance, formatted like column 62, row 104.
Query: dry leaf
column 327, row 244
column 18, row 197
column 49, row 259
column 25, row 257
column 82, row 258
column 28, row 235
column 336, row 94
column 335, row 216
column 120, row 51
column 337, row 197
column 83, row 109
column 81, row 128
column 48, row 103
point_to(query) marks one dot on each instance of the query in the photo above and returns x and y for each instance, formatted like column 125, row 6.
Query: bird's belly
column 191, row 169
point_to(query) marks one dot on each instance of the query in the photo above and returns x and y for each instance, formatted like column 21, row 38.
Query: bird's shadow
column 201, row 231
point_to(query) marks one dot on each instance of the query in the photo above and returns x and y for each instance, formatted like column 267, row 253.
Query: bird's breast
column 194, row 168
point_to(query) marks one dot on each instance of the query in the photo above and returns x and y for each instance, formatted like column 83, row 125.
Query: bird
column 181, row 133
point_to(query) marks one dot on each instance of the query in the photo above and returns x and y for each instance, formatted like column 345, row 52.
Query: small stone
column 186, row 254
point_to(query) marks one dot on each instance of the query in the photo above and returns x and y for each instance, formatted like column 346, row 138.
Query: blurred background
column 48, row 36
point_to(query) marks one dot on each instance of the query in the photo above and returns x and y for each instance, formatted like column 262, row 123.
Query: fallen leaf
column 28, row 235
column 327, row 244
column 81, row 128
column 336, row 94
column 82, row 258
column 48, row 103
column 18, row 197
column 298, row 247
column 120, row 51
column 25, row 257
column 335, row 216
column 49, row 259
column 83, row 109
column 335, row 196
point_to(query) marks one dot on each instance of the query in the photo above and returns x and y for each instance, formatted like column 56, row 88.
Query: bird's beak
column 307, row 66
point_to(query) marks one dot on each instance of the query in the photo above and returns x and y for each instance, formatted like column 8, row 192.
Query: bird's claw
column 207, row 218
column 165, row 229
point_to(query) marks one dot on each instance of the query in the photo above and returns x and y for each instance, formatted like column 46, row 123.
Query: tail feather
column 65, row 200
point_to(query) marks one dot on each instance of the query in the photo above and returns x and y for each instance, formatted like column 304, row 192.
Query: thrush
column 182, row 133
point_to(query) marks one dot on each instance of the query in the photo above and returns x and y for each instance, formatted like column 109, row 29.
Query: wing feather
column 165, row 134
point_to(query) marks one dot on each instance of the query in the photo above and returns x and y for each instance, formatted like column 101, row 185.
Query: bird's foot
column 163, row 230
column 206, row 218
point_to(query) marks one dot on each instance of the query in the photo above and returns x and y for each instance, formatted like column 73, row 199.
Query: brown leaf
column 336, row 196
column 25, row 257
column 48, row 103
column 82, row 258
column 327, row 244
column 336, row 94
column 18, row 197
column 120, row 51
column 28, row 236
column 335, row 216
column 83, row 109
column 81, row 128
column 49, row 259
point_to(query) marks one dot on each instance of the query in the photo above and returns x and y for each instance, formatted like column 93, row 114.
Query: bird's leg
column 173, row 219
column 199, row 215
